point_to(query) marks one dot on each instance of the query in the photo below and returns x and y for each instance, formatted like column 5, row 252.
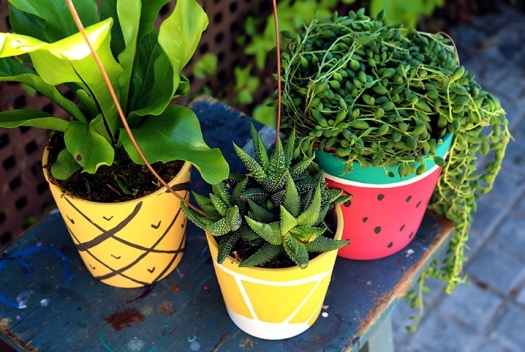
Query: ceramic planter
column 127, row 244
column 275, row 304
column 384, row 213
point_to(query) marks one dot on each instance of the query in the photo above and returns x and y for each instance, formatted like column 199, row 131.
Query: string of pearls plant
column 382, row 95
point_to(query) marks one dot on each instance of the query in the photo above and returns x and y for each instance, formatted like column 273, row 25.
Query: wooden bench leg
column 381, row 340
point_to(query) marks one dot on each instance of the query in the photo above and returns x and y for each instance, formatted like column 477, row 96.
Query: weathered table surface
column 49, row 301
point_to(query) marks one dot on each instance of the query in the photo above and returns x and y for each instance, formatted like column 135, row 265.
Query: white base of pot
column 267, row 331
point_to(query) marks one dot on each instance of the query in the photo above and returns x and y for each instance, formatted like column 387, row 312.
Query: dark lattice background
column 23, row 192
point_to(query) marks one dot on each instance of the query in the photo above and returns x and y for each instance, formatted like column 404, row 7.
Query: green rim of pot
column 335, row 166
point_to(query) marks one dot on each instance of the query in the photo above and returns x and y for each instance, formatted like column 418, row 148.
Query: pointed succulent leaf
column 251, row 164
column 205, row 204
column 278, row 198
column 288, row 148
column 226, row 244
column 233, row 218
column 221, row 190
column 261, row 154
column 218, row 204
column 288, row 221
column 237, row 191
column 260, row 213
column 270, row 232
column 291, row 198
column 300, row 167
column 247, row 234
column 255, row 194
column 306, row 234
column 296, row 251
column 275, row 182
column 219, row 227
column 266, row 253
column 309, row 216
column 277, row 159
column 331, row 194
column 324, row 244
column 196, row 218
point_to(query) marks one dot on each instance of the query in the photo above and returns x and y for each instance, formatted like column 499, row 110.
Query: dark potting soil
column 103, row 186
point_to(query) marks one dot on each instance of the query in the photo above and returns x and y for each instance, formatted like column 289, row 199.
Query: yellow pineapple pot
column 132, row 243
column 275, row 304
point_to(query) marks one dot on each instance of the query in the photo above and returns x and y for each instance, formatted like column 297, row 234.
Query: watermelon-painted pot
column 275, row 304
column 127, row 244
column 384, row 213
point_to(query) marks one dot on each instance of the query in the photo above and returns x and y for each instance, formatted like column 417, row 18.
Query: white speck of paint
column 326, row 306
column 44, row 302
column 195, row 346
column 181, row 274
column 191, row 339
column 324, row 314
column 17, row 317
column 409, row 252
column 135, row 345
column 368, row 283
column 22, row 299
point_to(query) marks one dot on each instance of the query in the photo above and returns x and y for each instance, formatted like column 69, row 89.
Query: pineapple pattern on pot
column 128, row 244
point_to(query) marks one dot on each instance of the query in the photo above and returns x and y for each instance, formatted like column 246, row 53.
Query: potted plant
column 268, row 232
column 380, row 104
column 121, row 74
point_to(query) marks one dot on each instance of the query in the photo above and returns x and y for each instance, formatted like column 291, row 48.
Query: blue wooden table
column 49, row 302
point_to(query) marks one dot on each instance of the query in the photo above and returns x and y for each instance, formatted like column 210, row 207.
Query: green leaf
column 261, row 154
column 196, row 218
column 306, row 234
column 219, row 228
column 238, row 190
column 324, row 244
column 31, row 118
column 11, row 70
column 226, row 244
column 233, row 217
column 275, row 182
column 58, row 21
column 270, row 232
column 64, row 166
column 129, row 13
column 176, row 135
column 309, row 217
column 222, row 191
column 288, row 221
column 205, row 204
column 266, row 253
column 219, row 204
column 88, row 148
column 296, row 251
column 291, row 199
column 25, row 23
column 251, row 164
column 181, row 32
column 157, row 88
column 260, row 213
column 288, row 148
column 277, row 159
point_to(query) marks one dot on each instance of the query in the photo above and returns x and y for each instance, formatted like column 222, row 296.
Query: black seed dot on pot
column 377, row 230
column 402, row 228
column 418, row 204
column 380, row 197
column 408, row 199
column 347, row 203
column 411, row 234
column 390, row 245
column 365, row 219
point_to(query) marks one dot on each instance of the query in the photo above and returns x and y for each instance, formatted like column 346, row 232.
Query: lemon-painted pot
column 275, row 304
column 127, row 244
